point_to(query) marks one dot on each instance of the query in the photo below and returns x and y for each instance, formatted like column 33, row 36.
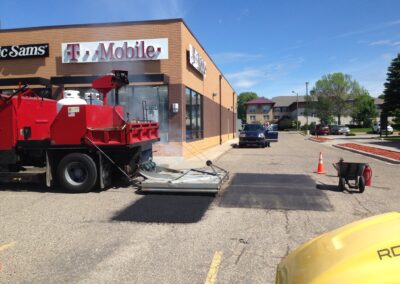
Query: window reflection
column 194, row 119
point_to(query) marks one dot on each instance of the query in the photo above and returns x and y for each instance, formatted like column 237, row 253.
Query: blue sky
column 269, row 47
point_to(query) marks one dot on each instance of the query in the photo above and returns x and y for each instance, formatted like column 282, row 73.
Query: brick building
column 259, row 110
column 173, row 79
column 262, row 110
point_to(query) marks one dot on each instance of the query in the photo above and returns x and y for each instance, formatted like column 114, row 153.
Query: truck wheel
column 361, row 184
column 77, row 173
column 342, row 184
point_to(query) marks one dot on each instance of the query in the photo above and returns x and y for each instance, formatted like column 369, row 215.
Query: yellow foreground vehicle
column 366, row 251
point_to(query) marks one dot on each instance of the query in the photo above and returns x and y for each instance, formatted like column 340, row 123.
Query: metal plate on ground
column 274, row 191
column 162, row 179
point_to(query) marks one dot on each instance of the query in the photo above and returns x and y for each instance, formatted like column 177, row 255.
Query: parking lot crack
column 286, row 222
column 363, row 206
column 240, row 255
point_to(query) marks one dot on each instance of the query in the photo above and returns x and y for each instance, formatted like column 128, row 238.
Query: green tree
column 323, row 108
column 364, row 110
column 242, row 99
column 333, row 93
column 392, row 89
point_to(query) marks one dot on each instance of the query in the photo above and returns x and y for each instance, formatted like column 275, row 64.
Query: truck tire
column 342, row 184
column 361, row 184
column 77, row 173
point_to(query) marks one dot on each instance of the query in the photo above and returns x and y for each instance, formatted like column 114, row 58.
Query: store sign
column 24, row 51
column 110, row 51
column 196, row 61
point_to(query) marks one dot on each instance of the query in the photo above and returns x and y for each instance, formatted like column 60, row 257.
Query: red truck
column 79, row 147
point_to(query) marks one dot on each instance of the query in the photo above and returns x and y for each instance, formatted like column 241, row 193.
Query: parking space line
column 213, row 271
column 6, row 246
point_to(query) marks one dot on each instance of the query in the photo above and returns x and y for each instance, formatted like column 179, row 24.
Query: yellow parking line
column 212, row 273
column 6, row 246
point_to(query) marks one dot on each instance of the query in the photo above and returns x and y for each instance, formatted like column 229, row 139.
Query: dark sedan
column 252, row 134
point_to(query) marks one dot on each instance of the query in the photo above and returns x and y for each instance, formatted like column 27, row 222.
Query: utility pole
column 297, row 110
column 307, row 104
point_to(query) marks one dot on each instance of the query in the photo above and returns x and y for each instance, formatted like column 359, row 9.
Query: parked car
column 271, row 133
column 272, row 127
column 377, row 128
column 320, row 130
column 252, row 134
column 339, row 129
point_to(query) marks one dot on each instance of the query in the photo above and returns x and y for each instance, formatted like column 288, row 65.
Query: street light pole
column 297, row 110
column 307, row 104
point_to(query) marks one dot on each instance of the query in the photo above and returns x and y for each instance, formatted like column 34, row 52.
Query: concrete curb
column 385, row 159
column 315, row 140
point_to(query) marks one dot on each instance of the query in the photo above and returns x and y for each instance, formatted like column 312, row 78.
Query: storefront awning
column 140, row 78
column 27, row 80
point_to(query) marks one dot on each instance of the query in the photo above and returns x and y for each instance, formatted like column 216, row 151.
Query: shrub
column 285, row 123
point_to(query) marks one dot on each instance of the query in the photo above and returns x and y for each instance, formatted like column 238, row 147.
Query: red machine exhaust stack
column 109, row 82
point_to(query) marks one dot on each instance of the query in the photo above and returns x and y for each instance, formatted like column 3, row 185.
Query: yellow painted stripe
column 6, row 246
column 212, row 273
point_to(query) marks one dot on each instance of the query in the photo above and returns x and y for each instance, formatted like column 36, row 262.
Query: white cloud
column 234, row 57
column 369, row 29
column 246, row 12
column 250, row 77
column 243, row 14
column 147, row 10
column 392, row 23
column 386, row 42
column 370, row 74
column 245, row 83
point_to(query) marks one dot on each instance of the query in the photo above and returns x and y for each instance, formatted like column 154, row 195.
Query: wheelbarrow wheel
column 342, row 184
column 361, row 184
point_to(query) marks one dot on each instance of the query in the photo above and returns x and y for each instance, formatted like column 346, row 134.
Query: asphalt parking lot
column 273, row 202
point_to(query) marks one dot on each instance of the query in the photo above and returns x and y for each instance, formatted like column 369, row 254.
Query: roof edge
column 104, row 24
column 108, row 24
column 201, row 45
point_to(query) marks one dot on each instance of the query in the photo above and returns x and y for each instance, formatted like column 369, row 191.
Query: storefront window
column 194, row 115
column 143, row 103
column 146, row 103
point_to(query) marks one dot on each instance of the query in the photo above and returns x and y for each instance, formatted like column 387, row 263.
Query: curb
column 395, row 162
column 319, row 141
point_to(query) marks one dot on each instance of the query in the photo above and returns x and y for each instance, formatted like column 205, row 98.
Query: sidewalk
column 197, row 161
column 371, row 146
column 372, row 151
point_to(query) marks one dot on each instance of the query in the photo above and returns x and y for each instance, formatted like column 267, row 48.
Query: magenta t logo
column 73, row 51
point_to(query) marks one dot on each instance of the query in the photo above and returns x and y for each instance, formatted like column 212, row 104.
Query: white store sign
column 196, row 61
column 111, row 51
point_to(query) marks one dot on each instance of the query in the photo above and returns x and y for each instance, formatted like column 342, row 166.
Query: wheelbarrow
column 351, row 174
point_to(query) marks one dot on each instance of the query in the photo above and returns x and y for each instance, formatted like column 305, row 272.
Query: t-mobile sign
column 110, row 51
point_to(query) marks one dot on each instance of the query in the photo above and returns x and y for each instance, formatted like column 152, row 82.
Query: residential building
column 260, row 110
column 290, row 107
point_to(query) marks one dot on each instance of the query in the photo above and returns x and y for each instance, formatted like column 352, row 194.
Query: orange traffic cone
column 320, row 169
